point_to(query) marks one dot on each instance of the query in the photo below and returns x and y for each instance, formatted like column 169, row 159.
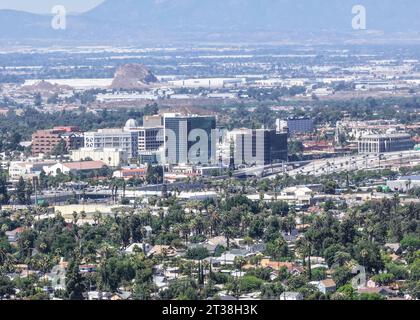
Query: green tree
column 29, row 190
column 329, row 186
column 38, row 100
column 6, row 286
column 60, row 149
column 74, row 281
column 21, row 191
column 4, row 195
column 198, row 253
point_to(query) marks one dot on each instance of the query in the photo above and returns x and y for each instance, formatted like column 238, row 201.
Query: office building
column 152, row 121
column 150, row 137
column 295, row 125
column 257, row 146
column 381, row 143
column 45, row 141
column 189, row 139
column 119, row 139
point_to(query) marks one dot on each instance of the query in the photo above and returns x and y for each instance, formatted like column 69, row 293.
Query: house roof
column 328, row 283
column 84, row 165
column 290, row 266
column 159, row 249
column 15, row 231
column 221, row 240
column 379, row 290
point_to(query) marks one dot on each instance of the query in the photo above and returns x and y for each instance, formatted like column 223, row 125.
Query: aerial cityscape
column 191, row 160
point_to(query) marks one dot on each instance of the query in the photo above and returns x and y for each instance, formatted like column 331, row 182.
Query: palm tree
column 75, row 217
column 304, row 248
column 97, row 217
column 396, row 202
column 83, row 215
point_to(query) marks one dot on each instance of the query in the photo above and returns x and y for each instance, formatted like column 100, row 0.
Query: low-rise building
column 327, row 286
column 111, row 157
column 404, row 183
column 128, row 173
column 27, row 170
column 74, row 167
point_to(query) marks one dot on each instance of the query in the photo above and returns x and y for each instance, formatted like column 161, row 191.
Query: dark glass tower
column 190, row 139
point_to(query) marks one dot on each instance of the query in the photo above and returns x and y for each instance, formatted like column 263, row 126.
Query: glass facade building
column 189, row 139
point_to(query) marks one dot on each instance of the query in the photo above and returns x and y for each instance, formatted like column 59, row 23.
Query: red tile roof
column 84, row 165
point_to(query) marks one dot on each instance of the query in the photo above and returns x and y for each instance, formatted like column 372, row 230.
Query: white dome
column 131, row 124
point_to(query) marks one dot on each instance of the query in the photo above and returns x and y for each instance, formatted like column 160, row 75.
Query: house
column 384, row 291
column 394, row 248
column 160, row 281
column 298, row 194
column 87, row 268
column 237, row 274
column 291, row 296
column 13, row 236
column 57, row 276
column 228, row 258
column 276, row 266
column 327, row 286
column 122, row 295
column 97, row 295
column 145, row 247
column 167, row 251
column 251, row 296
column 218, row 241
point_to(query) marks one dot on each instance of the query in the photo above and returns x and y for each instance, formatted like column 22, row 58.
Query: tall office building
column 152, row 121
column 150, row 137
column 257, row 146
column 189, row 139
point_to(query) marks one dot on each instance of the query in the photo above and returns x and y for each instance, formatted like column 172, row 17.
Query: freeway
column 316, row 168
column 356, row 162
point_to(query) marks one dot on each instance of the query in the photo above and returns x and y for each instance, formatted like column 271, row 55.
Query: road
column 354, row 163
column 316, row 168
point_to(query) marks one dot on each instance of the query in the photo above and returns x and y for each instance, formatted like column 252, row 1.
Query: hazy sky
column 44, row 6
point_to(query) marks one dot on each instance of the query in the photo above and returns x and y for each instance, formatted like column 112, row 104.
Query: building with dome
column 130, row 124
column 118, row 139
column 132, row 139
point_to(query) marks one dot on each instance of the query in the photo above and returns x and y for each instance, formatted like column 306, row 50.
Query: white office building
column 120, row 139
column 381, row 143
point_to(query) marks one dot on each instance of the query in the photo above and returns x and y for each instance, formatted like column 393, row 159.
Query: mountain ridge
column 166, row 20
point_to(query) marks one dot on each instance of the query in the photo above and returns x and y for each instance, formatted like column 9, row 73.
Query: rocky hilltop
column 45, row 87
column 133, row 76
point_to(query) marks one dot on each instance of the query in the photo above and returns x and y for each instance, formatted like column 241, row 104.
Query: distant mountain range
column 211, row 20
